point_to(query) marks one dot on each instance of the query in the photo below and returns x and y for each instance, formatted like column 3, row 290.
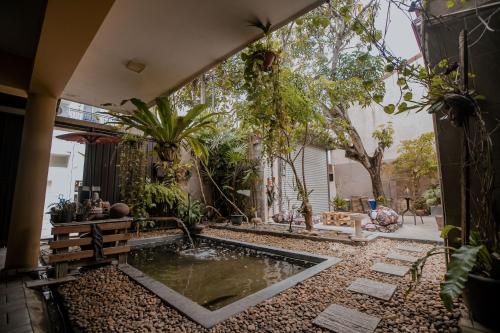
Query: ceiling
column 176, row 40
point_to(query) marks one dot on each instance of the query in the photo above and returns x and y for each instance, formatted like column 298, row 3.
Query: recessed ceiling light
column 135, row 66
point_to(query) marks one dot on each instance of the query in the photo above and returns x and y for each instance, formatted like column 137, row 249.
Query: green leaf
column 450, row 4
column 480, row 98
column 447, row 229
column 401, row 81
column 461, row 264
column 389, row 108
column 408, row 96
column 402, row 107
column 378, row 98
column 389, row 68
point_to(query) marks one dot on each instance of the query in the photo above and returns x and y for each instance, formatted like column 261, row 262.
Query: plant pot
column 481, row 295
column 436, row 210
column 420, row 212
column 440, row 222
column 196, row 229
column 236, row 219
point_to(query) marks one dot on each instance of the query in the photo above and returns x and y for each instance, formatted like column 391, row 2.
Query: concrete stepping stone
column 373, row 288
column 390, row 269
column 410, row 248
column 338, row 318
column 401, row 257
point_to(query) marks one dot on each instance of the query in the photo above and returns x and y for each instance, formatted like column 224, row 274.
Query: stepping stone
column 409, row 248
column 402, row 257
column 373, row 288
column 390, row 269
column 338, row 318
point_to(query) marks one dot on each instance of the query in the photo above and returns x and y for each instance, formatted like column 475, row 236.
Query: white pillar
column 29, row 195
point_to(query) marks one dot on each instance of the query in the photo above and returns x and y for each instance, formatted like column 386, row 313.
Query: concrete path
column 373, row 288
column 390, row 269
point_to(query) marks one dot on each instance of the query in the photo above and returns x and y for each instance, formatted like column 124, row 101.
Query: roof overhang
column 175, row 40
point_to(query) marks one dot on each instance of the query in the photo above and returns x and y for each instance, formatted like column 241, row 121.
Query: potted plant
column 236, row 219
column 473, row 272
column 63, row 211
column 420, row 206
column 433, row 200
column 339, row 204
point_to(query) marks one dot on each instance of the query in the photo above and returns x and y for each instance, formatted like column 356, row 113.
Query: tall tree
column 281, row 111
column 330, row 39
column 417, row 159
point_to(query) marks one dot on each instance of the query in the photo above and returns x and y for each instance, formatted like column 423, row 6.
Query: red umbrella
column 89, row 138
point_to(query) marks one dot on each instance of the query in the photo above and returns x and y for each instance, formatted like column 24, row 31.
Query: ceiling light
column 135, row 66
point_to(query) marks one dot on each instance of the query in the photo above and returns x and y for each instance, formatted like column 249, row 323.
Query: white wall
column 61, row 180
column 350, row 177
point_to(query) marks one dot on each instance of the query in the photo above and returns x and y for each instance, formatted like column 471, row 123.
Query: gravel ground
column 105, row 300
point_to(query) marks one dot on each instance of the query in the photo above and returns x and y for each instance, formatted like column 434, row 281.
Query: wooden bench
column 96, row 239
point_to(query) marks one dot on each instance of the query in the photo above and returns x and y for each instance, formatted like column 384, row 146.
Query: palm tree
column 169, row 130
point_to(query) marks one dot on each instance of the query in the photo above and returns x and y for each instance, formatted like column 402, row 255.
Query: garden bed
column 298, row 232
column 127, row 306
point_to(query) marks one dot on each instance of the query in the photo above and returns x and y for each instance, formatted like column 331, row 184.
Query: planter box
column 436, row 210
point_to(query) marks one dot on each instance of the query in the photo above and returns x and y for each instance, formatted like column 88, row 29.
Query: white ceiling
column 175, row 39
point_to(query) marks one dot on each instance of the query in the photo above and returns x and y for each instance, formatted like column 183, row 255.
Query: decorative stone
column 338, row 318
column 373, row 288
column 390, row 269
column 119, row 210
column 402, row 257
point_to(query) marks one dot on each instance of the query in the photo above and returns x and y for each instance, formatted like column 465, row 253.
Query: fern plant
column 162, row 196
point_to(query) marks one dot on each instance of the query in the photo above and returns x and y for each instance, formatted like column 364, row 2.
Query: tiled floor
column 21, row 309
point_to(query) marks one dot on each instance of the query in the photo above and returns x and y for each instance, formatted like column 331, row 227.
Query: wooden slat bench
column 67, row 248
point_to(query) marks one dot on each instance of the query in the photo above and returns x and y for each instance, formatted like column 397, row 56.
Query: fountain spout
column 179, row 221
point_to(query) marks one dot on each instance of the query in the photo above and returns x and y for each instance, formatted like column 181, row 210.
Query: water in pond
column 214, row 275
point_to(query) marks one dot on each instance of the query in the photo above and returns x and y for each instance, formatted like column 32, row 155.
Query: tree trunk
column 377, row 188
column 307, row 213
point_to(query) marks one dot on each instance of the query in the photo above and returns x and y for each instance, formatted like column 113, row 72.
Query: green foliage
column 384, row 135
column 432, row 196
column 132, row 173
column 420, row 203
column 231, row 167
column 163, row 196
column 62, row 211
column 417, row 159
column 339, row 203
column 461, row 264
column 190, row 212
column 473, row 257
column 169, row 130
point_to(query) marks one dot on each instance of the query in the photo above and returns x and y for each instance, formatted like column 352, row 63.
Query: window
column 59, row 160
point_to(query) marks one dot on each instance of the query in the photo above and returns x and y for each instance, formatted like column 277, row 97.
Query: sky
column 400, row 38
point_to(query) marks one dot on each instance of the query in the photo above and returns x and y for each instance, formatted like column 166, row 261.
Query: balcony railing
column 90, row 116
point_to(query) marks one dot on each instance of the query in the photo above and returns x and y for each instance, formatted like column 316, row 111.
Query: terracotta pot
column 119, row 210
column 420, row 212
column 481, row 295
column 267, row 61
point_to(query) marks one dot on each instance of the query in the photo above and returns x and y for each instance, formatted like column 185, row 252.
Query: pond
column 214, row 275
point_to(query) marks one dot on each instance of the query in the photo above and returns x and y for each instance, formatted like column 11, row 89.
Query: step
column 338, row 318
column 401, row 257
column 373, row 288
column 390, row 269
column 410, row 248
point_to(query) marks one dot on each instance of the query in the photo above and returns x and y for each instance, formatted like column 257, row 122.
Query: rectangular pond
column 219, row 277
column 214, row 275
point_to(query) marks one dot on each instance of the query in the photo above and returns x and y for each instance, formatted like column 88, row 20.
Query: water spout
column 187, row 232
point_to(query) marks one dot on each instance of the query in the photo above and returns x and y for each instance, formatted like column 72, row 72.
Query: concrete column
column 29, row 195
